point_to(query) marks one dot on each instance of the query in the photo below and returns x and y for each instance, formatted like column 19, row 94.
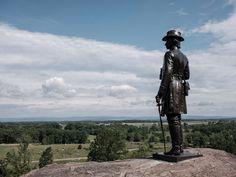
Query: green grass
column 63, row 151
column 4, row 148
column 133, row 145
column 60, row 151
column 91, row 138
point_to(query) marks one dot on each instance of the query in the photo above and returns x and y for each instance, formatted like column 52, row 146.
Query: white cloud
column 121, row 90
column 91, row 75
column 223, row 30
column 214, row 69
column 100, row 78
column 10, row 90
column 56, row 87
column 38, row 51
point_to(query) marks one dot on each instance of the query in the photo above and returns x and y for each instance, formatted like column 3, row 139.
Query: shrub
column 46, row 157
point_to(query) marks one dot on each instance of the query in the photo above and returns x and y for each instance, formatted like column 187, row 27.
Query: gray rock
column 214, row 163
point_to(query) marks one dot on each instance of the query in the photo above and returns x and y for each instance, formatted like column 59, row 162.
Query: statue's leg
column 175, row 133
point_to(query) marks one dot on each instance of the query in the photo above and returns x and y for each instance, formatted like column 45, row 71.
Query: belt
column 177, row 77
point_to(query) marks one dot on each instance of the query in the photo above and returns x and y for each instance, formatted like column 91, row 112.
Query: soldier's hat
column 173, row 34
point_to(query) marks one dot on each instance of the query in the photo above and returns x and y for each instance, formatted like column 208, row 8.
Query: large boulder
column 214, row 163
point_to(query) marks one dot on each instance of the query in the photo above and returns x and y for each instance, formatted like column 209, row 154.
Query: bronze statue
column 174, row 88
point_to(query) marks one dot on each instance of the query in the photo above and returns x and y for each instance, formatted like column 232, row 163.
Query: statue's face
column 168, row 44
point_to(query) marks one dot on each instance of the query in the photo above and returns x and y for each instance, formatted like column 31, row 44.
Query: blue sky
column 85, row 58
column 133, row 22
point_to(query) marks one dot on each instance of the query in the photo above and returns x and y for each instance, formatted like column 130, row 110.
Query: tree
column 3, row 167
column 154, row 128
column 79, row 146
column 188, row 140
column 46, row 157
column 199, row 139
column 137, row 137
column 109, row 145
column 186, row 128
column 153, row 138
column 20, row 161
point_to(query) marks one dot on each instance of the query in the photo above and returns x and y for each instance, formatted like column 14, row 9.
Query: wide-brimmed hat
column 173, row 34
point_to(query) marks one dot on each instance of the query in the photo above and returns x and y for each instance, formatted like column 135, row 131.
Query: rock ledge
column 214, row 163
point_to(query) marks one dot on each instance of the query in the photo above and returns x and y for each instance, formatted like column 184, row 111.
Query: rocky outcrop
column 214, row 163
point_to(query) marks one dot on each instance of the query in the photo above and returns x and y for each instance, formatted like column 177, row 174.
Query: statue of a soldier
column 174, row 88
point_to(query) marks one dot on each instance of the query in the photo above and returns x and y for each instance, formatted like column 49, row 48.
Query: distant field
column 195, row 122
column 65, row 152
column 140, row 124
column 149, row 124
column 60, row 151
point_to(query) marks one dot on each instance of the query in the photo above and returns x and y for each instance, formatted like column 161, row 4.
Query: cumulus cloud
column 213, row 69
column 92, row 73
column 121, row 90
column 38, row 51
column 56, row 87
column 222, row 30
column 100, row 78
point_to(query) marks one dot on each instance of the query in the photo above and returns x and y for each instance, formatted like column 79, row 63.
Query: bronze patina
column 174, row 89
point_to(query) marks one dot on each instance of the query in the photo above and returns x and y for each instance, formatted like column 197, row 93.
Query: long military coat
column 174, row 71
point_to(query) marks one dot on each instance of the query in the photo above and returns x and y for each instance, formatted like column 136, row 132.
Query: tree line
column 74, row 132
column 44, row 133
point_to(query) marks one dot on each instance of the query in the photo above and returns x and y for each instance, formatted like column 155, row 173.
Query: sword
column 162, row 129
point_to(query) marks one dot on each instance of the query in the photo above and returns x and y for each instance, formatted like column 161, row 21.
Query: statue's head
column 173, row 39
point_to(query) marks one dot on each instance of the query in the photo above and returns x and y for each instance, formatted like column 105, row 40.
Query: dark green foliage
column 161, row 137
column 44, row 133
column 199, row 139
column 76, row 132
column 217, row 135
column 137, row 137
column 186, row 127
column 153, row 138
column 3, row 167
column 46, row 157
column 109, row 145
column 19, row 162
column 224, row 141
column 154, row 128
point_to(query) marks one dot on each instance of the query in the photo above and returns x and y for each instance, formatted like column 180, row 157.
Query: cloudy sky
column 63, row 58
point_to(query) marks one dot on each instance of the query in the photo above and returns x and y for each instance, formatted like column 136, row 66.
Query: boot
column 177, row 139
column 174, row 133
column 175, row 150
